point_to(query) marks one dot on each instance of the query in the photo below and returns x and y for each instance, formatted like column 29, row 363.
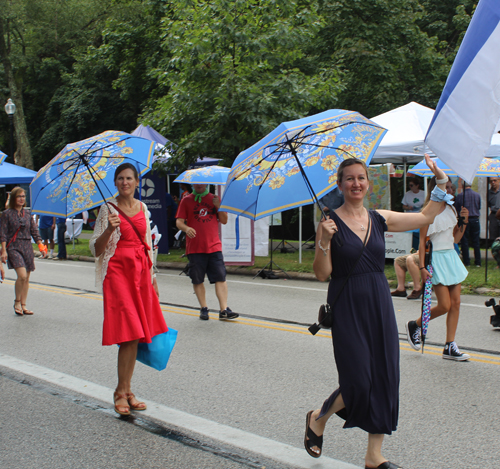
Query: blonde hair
column 13, row 196
column 350, row 162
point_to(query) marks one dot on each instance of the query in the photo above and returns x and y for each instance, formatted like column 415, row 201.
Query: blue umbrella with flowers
column 297, row 162
column 81, row 176
column 216, row 175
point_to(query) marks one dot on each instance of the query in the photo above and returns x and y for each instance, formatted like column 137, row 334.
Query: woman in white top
column 447, row 277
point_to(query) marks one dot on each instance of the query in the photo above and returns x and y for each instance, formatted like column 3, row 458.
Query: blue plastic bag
column 157, row 353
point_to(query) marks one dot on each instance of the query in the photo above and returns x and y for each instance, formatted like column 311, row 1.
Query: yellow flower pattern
column 67, row 179
column 319, row 148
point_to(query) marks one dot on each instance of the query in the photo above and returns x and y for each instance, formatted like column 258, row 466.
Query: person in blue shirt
column 46, row 229
column 472, row 201
column 61, row 242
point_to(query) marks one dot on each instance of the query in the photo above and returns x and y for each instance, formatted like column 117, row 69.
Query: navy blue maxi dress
column 364, row 332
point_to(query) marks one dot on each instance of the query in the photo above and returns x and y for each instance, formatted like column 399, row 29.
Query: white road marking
column 260, row 284
column 256, row 444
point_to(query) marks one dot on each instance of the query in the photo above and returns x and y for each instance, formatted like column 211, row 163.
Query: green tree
column 234, row 70
column 383, row 56
column 37, row 39
column 110, row 79
column 447, row 20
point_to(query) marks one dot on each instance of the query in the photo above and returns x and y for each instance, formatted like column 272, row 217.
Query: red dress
column 131, row 307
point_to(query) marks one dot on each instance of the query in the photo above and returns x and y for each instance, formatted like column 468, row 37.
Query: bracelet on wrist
column 325, row 250
column 442, row 181
column 422, row 268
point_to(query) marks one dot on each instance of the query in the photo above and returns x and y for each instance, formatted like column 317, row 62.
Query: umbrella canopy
column 297, row 162
column 163, row 146
column 489, row 167
column 13, row 174
column 2, row 156
column 80, row 177
column 206, row 175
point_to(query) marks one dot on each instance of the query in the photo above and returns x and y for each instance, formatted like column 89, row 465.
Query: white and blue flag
column 469, row 108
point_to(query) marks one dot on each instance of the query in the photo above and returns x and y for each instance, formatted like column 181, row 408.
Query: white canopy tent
column 404, row 141
column 494, row 150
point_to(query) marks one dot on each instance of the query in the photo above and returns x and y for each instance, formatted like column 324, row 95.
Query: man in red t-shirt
column 198, row 216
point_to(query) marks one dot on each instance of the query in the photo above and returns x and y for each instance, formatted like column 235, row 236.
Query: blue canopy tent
column 18, row 175
column 13, row 174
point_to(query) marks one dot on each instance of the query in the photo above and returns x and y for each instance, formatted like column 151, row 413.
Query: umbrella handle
column 337, row 237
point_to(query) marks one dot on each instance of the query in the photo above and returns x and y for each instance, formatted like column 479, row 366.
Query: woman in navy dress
column 364, row 331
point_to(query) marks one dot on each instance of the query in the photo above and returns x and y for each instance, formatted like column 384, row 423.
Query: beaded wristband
column 439, row 195
column 325, row 250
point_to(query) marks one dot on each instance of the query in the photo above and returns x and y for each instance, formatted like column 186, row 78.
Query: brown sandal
column 19, row 312
column 26, row 311
column 138, row 406
column 120, row 408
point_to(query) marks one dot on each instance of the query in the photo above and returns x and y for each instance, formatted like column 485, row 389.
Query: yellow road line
column 297, row 329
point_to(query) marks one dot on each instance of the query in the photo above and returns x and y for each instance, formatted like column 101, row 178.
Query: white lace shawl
column 101, row 262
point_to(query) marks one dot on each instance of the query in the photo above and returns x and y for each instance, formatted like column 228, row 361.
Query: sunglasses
column 411, row 185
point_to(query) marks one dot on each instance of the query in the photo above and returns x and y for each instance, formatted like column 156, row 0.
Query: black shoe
column 399, row 293
column 451, row 352
column 204, row 313
column 413, row 335
column 228, row 314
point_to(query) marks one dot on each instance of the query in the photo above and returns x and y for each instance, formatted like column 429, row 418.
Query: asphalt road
column 235, row 394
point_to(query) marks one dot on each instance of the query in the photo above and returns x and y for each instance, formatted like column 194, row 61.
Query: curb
column 235, row 270
column 238, row 270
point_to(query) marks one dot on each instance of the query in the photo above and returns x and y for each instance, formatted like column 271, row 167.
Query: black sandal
column 386, row 465
column 311, row 439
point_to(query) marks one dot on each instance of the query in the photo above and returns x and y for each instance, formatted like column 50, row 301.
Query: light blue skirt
column 447, row 267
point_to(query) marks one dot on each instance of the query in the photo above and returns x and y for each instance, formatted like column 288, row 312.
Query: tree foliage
column 37, row 42
column 234, row 70
column 214, row 76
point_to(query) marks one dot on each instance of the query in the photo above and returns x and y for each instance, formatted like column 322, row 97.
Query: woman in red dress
column 132, row 312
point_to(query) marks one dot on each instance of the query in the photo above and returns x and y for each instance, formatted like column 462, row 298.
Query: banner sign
column 153, row 192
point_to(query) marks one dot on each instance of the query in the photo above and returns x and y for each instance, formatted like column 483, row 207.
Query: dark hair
column 350, row 162
column 13, row 196
column 123, row 167
column 414, row 181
